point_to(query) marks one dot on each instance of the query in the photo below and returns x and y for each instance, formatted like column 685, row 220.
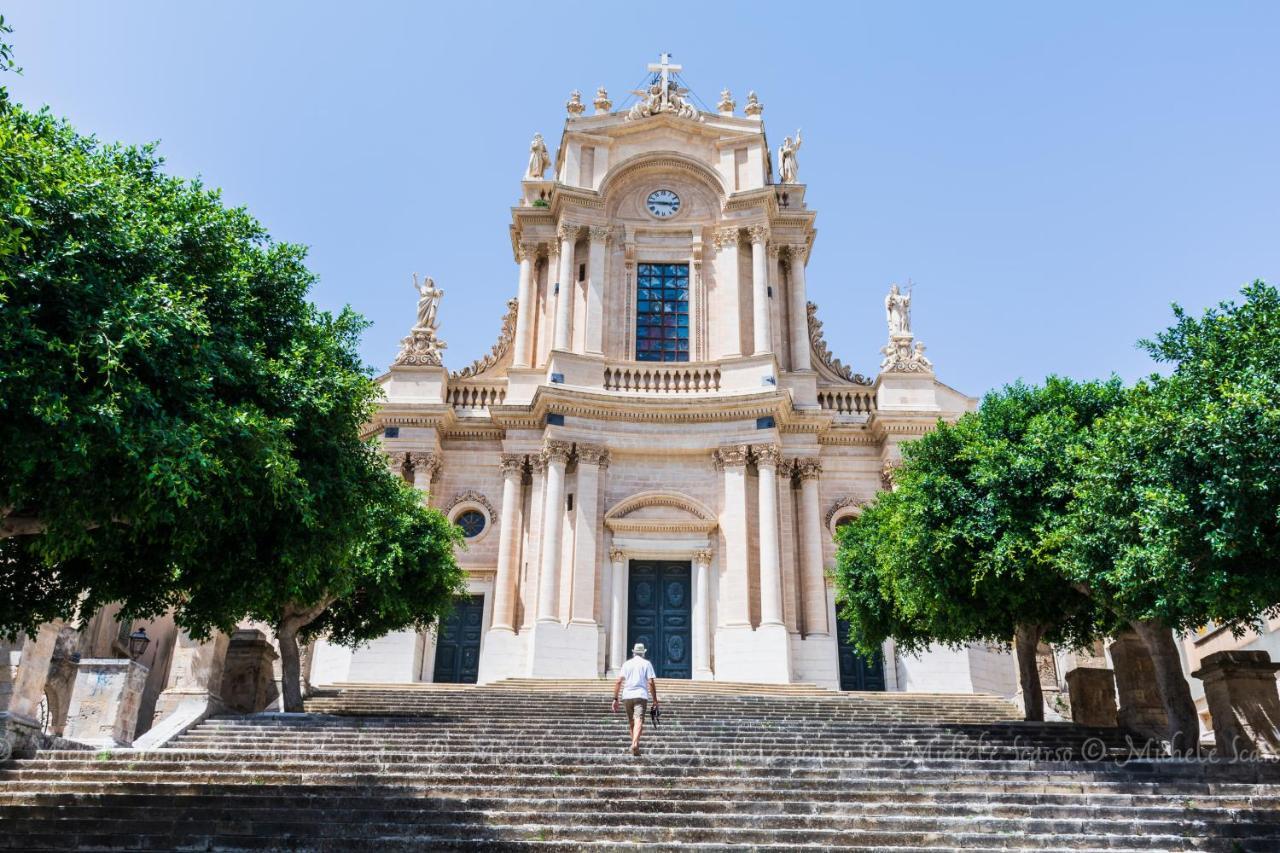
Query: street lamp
column 138, row 642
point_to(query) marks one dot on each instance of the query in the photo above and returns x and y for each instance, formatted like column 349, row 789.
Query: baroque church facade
column 661, row 445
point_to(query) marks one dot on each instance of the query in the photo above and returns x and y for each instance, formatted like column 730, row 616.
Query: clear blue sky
column 1051, row 176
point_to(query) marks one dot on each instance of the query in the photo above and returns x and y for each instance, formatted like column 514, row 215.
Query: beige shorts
column 636, row 708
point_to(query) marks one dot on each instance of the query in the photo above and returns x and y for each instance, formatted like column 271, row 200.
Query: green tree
column 182, row 428
column 1176, row 519
column 957, row 552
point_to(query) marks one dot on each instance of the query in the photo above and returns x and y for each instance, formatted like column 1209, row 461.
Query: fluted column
column 767, row 459
column 599, row 244
column 735, row 605
column 702, row 613
column 504, row 585
column 425, row 465
column 556, row 454
column 564, row 287
column 813, row 578
column 760, row 289
column 522, row 346
column 618, row 610
column 799, row 311
column 730, row 324
column 592, row 460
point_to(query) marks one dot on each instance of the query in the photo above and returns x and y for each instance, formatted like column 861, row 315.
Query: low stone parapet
column 1240, row 687
column 1092, row 691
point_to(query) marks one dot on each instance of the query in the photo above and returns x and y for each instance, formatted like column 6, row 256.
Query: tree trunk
column 290, row 670
column 1026, row 639
column 1175, row 693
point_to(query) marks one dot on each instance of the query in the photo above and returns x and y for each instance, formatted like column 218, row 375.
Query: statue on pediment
column 539, row 159
column 897, row 309
column 421, row 346
column 428, row 302
column 788, row 168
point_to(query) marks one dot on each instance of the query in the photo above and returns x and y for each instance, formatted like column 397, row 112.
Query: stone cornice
column 656, row 408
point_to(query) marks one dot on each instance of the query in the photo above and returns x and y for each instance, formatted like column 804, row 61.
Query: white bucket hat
column 638, row 649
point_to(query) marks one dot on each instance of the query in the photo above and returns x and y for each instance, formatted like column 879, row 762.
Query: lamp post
column 138, row 642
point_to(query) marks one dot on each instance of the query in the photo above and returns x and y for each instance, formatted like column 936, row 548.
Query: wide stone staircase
column 530, row 764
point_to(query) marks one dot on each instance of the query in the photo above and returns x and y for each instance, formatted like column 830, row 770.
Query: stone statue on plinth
column 788, row 168
column 903, row 353
column 897, row 309
column 421, row 346
column 539, row 159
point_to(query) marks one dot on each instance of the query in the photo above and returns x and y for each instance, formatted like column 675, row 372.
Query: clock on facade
column 663, row 203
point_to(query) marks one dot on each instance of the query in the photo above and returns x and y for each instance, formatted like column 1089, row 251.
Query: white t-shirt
column 635, row 675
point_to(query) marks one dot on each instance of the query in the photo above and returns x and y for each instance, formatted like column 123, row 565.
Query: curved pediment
column 669, row 162
column 660, row 512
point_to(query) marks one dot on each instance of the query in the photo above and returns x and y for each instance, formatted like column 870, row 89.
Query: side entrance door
column 660, row 615
column 458, row 642
column 857, row 672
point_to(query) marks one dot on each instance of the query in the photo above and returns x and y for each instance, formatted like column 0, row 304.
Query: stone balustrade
column 476, row 395
column 847, row 401
column 663, row 378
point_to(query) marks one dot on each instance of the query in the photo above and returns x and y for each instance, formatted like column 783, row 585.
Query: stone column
column 814, row 591
column 730, row 329
column 522, row 346
column 760, row 290
column 592, row 459
column 702, row 614
column 799, row 309
column 767, row 459
column 735, row 605
column 504, row 584
column 594, row 337
column 1141, row 710
column 18, row 721
column 1092, row 691
column 425, row 465
column 1240, row 687
column 618, row 611
column 564, row 287
column 105, row 701
column 193, row 689
column 556, row 454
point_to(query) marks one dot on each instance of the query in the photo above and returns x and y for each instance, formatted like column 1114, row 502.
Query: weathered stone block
column 1092, row 692
column 248, row 679
column 1141, row 710
column 1240, row 687
column 105, row 701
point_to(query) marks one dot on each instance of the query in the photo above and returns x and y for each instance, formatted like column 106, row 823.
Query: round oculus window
column 663, row 203
column 472, row 522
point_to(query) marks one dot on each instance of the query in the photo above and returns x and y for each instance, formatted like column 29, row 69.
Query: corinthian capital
column 758, row 233
column 767, row 455
column 599, row 233
column 593, row 454
column 726, row 237
column 808, row 469
column 527, row 250
column 557, row 451
column 734, row 456
column 511, row 464
column 425, row 463
column 568, row 231
column 702, row 557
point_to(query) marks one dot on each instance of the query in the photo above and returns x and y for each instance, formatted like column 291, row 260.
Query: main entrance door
column 458, row 642
column 857, row 672
column 659, row 615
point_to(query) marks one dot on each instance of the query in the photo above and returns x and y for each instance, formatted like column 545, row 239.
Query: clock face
column 663, row 203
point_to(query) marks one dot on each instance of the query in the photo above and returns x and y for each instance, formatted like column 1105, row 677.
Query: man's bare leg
column 637, row 730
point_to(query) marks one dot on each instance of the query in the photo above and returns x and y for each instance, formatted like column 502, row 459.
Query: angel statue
column 897, row 309
column 539, row 160
column 787, row 166
column 428, row 302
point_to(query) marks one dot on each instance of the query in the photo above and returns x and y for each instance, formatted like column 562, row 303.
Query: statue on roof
column 664, row 94
column 788, row 168
column 428, row 302
column 421, row 346
column 539, row 159
column 897, row 309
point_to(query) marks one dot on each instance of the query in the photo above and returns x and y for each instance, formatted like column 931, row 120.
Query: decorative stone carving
column 841, row 503
column 767, row 455
column 808, row 468
column 602, row 102
column 424, row 464
column 421, row 347
column 886, row 475
column 617, row 555
column 734, row 456
column 568, row 231
column 758, row 233
column 470, row 496
column 819, row 346
column 528, row 250
column 788, row 168
column 664, row 95
column 557, row 450
column 727, row 104
column 511, row 463
column 726, row 237
column 599, row 233
column 539, row 159
column 500, row 349
column 574, row 105
column 753, row 108
column 702, row 557
column 903, row 353
column 593, row 454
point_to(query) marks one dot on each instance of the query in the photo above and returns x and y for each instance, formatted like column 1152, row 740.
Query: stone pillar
column 105, row 701
column 730, row 325
column 248, row 678
column 799, row 309
column 592, row 460
column 564, row 287
column 504, row 584
column 595, row 289
column 425, row 465
column 735, row 605
column 1240, row 687
column 813, row 577
column 702, row 614
column 1141, row 710
column 522, row 346
column 1092, row 691
column 556, row 454
column 618, row 611
column 763, row 337
column 18, row 719
column 767, row 459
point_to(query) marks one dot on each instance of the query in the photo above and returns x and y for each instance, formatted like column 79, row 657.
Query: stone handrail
column 662, row 378
column 476, row 395
column 847, row 401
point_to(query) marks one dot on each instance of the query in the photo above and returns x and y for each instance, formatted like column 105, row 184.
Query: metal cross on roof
column 664, row 68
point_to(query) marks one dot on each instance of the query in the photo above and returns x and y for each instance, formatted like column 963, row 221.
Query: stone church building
column 661, row 444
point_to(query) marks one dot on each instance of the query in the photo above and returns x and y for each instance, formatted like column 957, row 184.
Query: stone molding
column 472, row 498
column 593, row 454
column 818, row 346
column 730, row 457
column 843, row 502
column 725, row 237
column 500, row 349
column 640, row 500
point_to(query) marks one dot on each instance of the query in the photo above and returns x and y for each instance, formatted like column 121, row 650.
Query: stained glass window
column 471, row 522
column 662, row 312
